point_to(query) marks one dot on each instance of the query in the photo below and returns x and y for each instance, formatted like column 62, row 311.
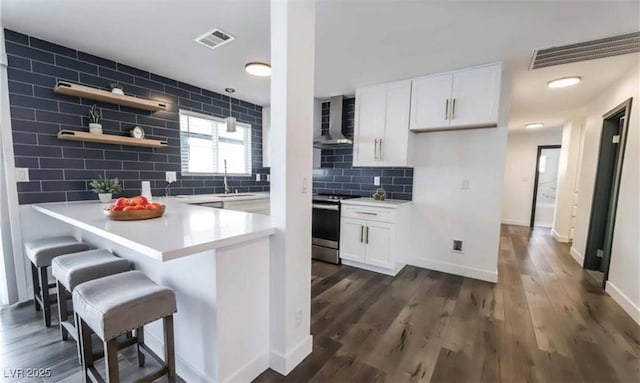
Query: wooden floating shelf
column 72, row 135
column 70, row 89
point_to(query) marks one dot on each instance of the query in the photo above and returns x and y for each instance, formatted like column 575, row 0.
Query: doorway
column 607, row 185
column 545, row 186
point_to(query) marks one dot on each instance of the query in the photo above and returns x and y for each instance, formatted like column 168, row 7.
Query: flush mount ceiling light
column 534, row 125
column 564, row 82
column 258, row 69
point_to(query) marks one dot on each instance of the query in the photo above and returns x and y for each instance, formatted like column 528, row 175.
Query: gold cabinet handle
column 446, row 110
column 453, row 109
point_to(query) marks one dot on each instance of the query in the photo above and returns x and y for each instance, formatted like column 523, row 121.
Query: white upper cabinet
column 430, row 97
column 467, row 98
column 475, row 97
column 381, row 135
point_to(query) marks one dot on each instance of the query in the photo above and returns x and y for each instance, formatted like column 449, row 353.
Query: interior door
column 430, row 98
column 393, row 147
column 352, row 239
column 378, row 237
column 369, row 125
column 475, row 96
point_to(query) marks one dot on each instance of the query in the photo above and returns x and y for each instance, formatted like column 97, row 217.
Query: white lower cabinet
column 373, row 234
column 352, row 239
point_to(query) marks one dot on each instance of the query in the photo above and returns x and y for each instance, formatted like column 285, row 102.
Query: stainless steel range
column 326, row 227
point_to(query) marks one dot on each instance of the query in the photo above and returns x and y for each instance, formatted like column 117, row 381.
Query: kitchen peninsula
column 214, row 259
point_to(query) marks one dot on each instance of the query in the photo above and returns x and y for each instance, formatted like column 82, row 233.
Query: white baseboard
column 183, row 368
column 577, row 256
column 465, row 271
column 285, row 363
column 627, row 305
column 251, row 370
column 376, row 269
column 559, row 237
column 517, row 222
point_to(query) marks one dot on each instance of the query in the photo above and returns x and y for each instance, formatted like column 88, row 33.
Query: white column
column 292, row 60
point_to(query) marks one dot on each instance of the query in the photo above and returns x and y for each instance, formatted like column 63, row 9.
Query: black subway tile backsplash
column 338, row 176
column 60, row 170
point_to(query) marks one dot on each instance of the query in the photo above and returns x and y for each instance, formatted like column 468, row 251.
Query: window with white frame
column 205, row 144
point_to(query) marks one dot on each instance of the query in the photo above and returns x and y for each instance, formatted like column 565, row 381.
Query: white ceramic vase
column 95, row 128
column 104, row 197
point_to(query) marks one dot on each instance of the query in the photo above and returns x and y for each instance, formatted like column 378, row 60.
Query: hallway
column 546, row 320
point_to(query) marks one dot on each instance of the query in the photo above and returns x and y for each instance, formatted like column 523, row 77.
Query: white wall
column 623, row 284
column 520, row 169
column 443, row 211
column 567, row 179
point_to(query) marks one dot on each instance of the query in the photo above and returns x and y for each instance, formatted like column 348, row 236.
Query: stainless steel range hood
column 334, row 138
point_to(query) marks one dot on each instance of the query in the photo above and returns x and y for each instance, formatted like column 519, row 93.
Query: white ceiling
column 533, row 101
column 358, row 42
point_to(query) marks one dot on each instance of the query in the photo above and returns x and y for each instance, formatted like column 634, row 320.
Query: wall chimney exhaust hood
column 334, row 138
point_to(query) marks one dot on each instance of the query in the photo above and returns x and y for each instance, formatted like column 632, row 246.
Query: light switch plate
column 171, row 177
column 376, row 181
column 22, row 175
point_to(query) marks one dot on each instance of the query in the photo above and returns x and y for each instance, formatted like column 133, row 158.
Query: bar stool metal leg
column 169, row 349
column 140, row 342
column 44, row 294
column 36, row 288
column 111, row 360
column 63, row 312
column 87, row 354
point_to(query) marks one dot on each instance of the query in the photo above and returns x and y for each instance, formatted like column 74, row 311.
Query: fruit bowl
column 134, row 215
column 134, row 209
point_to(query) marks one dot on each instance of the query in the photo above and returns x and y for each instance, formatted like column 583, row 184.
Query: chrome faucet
column 227, row 189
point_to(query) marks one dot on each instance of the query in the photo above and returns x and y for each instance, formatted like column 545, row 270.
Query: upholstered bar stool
column 117, row 304
column 70, row 270
column 41, row 252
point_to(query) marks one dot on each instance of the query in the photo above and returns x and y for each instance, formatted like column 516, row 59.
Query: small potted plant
column 105, row 188
column 95, row 116
column 117, row 88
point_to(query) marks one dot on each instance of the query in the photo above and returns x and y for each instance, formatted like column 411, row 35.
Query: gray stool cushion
column 74, row 269
column 122, row 302
column 42, row 251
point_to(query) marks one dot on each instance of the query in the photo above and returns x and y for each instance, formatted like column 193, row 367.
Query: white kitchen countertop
column 207, row 198
column 365, row 201
column 183, row 229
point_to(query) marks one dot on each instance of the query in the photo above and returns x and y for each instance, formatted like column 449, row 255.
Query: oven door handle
column 325, row 207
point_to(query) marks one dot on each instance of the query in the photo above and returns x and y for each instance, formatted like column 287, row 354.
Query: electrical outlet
column 298, row 318
column 22, row 175
column 258, row 177
column 465, row 185
column 376, row 181
column 171, row 177
column 305, row 185
column 457, row 246
column 268, row 177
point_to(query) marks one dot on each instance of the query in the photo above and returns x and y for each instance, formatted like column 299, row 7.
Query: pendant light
column 231, row 121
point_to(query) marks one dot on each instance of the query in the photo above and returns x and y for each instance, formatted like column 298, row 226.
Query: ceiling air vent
column 214, row 39
column 590, row 50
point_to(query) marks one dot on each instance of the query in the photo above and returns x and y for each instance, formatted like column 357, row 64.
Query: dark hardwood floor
column 546, row 320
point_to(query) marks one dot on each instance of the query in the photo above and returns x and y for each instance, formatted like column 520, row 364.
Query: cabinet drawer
column 369, row 213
